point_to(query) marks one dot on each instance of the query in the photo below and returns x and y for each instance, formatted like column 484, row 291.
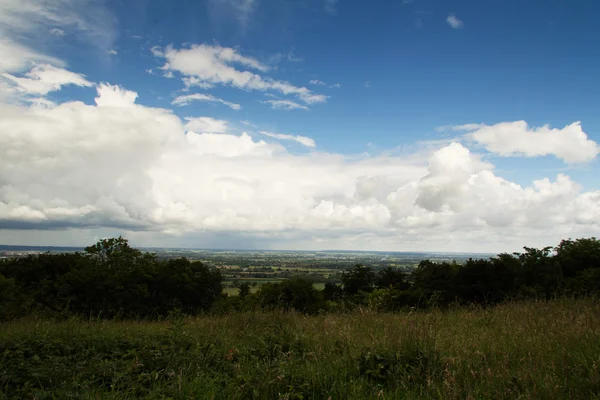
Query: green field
column 233, row 291
column 538, row 350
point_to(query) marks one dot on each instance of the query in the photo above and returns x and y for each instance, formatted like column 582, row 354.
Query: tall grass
column 538, row 350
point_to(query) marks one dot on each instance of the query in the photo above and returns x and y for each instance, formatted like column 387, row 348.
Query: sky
column 396, row 125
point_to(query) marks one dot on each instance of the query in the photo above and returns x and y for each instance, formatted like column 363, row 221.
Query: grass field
column 234, row 291
column 542, row 350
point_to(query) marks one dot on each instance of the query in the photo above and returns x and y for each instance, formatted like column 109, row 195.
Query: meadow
column 526, row 350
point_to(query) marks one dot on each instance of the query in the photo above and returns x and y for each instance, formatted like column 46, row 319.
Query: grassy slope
column 536, row 350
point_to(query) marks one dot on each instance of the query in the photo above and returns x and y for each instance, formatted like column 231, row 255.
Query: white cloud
column 454, row 22
column 570, row 143
column 46, row 78
column 185, row 100
column 112, row 52
column 15, row 58
column 32, row 19
column 303, row 140
column 110, row 96
column 57, row 32
column 227, row 146
column 209, row 65
column 285, row 105
column 24, row 29
column 123, row 166
column 206, row 125
column 192, row 81
column 459, row 128
column 317, row 82
column 331, row 6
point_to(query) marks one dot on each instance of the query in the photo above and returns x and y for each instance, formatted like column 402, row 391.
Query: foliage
column 432, row 283
column 244, row 290
column 110, row 279
column 358, row 279
column 293, row 294
column 578, row 255
column 332, row 292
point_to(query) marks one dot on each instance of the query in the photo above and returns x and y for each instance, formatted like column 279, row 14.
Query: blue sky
column 510, row 60
column 379, row 92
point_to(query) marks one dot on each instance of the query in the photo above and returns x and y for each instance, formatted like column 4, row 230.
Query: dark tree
column 391, row 278
column 578, row 255
column 111, row 279
column 332, row 292
column 433, row 282
column 477, row 282
column 244, row 290
column 358, row 279
column 292, row 294
column 541, row 271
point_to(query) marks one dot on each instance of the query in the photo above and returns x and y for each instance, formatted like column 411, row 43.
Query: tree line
column 110, row 279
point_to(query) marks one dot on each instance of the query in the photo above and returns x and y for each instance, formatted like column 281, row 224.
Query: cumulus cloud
column 185, row 100
column 454, row 22
column 118, row 164
column 285, row 105
column 121, row 164
column 570, row 143
column 205, row 65
column 46, row 78
column 71, row 143
column 206, row 125
column 303, row 140
column 110, row 96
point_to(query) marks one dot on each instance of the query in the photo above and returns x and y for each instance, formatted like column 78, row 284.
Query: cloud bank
column 118, row 164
